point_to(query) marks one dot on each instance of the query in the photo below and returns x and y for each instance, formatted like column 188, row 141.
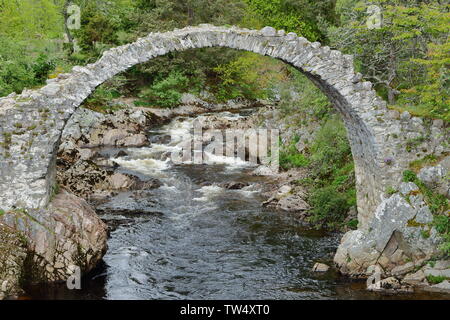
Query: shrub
column 435, row 279
column 330, row 150
column 290, row 157
column 330, row 207
column 166, row 92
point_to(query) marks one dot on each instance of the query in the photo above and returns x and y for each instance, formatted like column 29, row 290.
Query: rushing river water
column 192, row 239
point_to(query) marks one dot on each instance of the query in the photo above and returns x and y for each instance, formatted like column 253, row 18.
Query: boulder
column 414, row 278
column 292, row 203
column 403, row 269
column 437, row 177
column 120, row 181
column 437, row 273
column 83, row 178
column 443, row 287
column 66, row 234
column 134, row 140
column 392, row 239
column 320, row 267
column 390, row 283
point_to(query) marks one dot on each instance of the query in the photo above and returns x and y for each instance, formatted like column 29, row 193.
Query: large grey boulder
column 437, row 177
column 394, row 237
column 55, row 240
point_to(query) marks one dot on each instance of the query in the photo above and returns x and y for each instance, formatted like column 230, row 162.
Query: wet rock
column 101, row 196
column 121, row 153
column 134, row 203
column 263, row 171
column 83, row 178
column 320, row 267
column 135, row 140
column 234, row 185
column 120, row 181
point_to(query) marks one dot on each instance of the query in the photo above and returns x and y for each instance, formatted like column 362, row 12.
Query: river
column 192, row 239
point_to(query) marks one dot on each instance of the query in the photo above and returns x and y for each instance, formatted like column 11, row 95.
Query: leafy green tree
column 407, row 57
column 307, row 18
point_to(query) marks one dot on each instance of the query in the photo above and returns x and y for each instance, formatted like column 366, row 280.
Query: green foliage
column 390, row 191
column 100, row 99
column 436, row 279
column 409, row 176
column 305, row 17
column 427, row 161
column 310, row 104
column 291, row 158
column 19, row 68
column 353, row 224
column 30, row 19
column 438, row 203
column 442, row 224
column 330, row 150
column 407, row 58
column 329, row 207
column 166, row 92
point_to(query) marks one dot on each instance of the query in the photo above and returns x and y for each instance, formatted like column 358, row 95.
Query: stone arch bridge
column 31, row 123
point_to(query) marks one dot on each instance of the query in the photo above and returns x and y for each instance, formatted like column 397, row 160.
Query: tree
column 407, row 57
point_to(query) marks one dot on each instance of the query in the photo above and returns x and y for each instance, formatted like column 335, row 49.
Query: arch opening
column 48, row 109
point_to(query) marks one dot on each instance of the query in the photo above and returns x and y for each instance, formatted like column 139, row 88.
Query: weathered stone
column 437, row 272
column 393, row 238
column 414, row 278
column 320, row 267
column 437, row 177
column 85, row 233
column 442, row 265
column 283, row 191
column 268, row 32
column 403, row 269
column 408, row 187
column 390, row 283
column 444, row 287
column 13, row 253
column 121, row 181
column 293, row 203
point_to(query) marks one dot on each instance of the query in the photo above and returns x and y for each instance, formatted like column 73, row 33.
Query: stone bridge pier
column 31, row 123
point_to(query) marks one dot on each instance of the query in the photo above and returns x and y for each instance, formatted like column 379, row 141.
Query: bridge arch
column 31, row 124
